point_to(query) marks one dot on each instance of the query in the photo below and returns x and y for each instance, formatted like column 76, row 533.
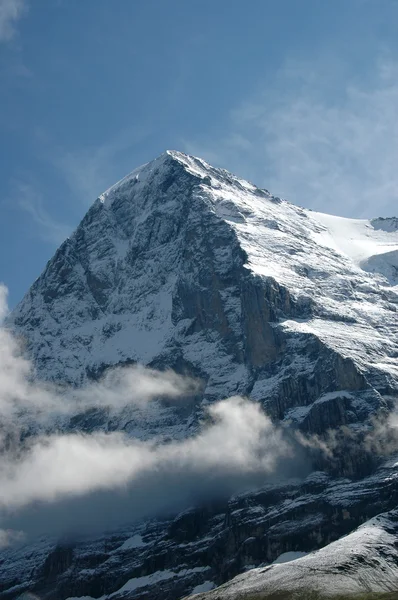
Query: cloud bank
column 239, row 439
column 61, row 481
column 48, row 473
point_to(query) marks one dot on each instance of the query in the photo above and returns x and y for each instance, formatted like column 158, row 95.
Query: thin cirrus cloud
column 325, row 142
column 89, row 171
column 10, row 13
column 30, row 201
column 85, row 172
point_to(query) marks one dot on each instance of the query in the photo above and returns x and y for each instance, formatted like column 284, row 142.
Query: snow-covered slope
column 371, row 245
column 362, row 562
column 184, row 266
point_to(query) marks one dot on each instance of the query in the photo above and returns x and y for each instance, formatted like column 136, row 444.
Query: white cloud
column 240, row 440
column 10, row 12
column 318, row 139
column 235, row 442
column 40, row 402
column 69, row 480
column 3, row 302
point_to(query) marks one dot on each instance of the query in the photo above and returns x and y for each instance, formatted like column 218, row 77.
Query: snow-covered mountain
column 185, row 266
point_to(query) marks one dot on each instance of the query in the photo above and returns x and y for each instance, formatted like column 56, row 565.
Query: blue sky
column 299, row 96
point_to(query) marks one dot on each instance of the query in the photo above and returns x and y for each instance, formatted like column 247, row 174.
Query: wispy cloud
column 10, row 12
column 70, row 478
column 318, row 139
column 28, row 199
column 90, row 170
column 236, row 443
column 80, row 175
column 86, row 172
column 38, row 402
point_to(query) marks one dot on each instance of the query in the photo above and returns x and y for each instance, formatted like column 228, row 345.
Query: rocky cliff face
column 360, row 565
column 187, row 266
column 184, row 266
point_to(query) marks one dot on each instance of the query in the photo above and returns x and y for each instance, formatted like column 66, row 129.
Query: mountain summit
column 181, row 265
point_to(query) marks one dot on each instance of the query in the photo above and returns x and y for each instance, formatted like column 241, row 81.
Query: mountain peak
column 141, row 174
column 160, row 168
column 187, row 267
column 160, row 254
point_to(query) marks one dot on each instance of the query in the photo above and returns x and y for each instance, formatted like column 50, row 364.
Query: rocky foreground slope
column 184, row 266
column 363, row 562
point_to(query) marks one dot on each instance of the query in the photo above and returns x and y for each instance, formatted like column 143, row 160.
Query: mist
column 62, row 482
column 81, row 483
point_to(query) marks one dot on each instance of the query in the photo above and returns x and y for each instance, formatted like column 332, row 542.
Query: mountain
column 184, row 266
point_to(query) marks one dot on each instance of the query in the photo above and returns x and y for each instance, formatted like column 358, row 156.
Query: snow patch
column 134, row 542
column 147, row 580
column 206, row 586
column 288, row 557
column 358, row 239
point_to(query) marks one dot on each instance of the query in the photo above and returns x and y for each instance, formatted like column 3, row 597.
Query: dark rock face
column 211, row 543
column 57, row 562
column 187, row 267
